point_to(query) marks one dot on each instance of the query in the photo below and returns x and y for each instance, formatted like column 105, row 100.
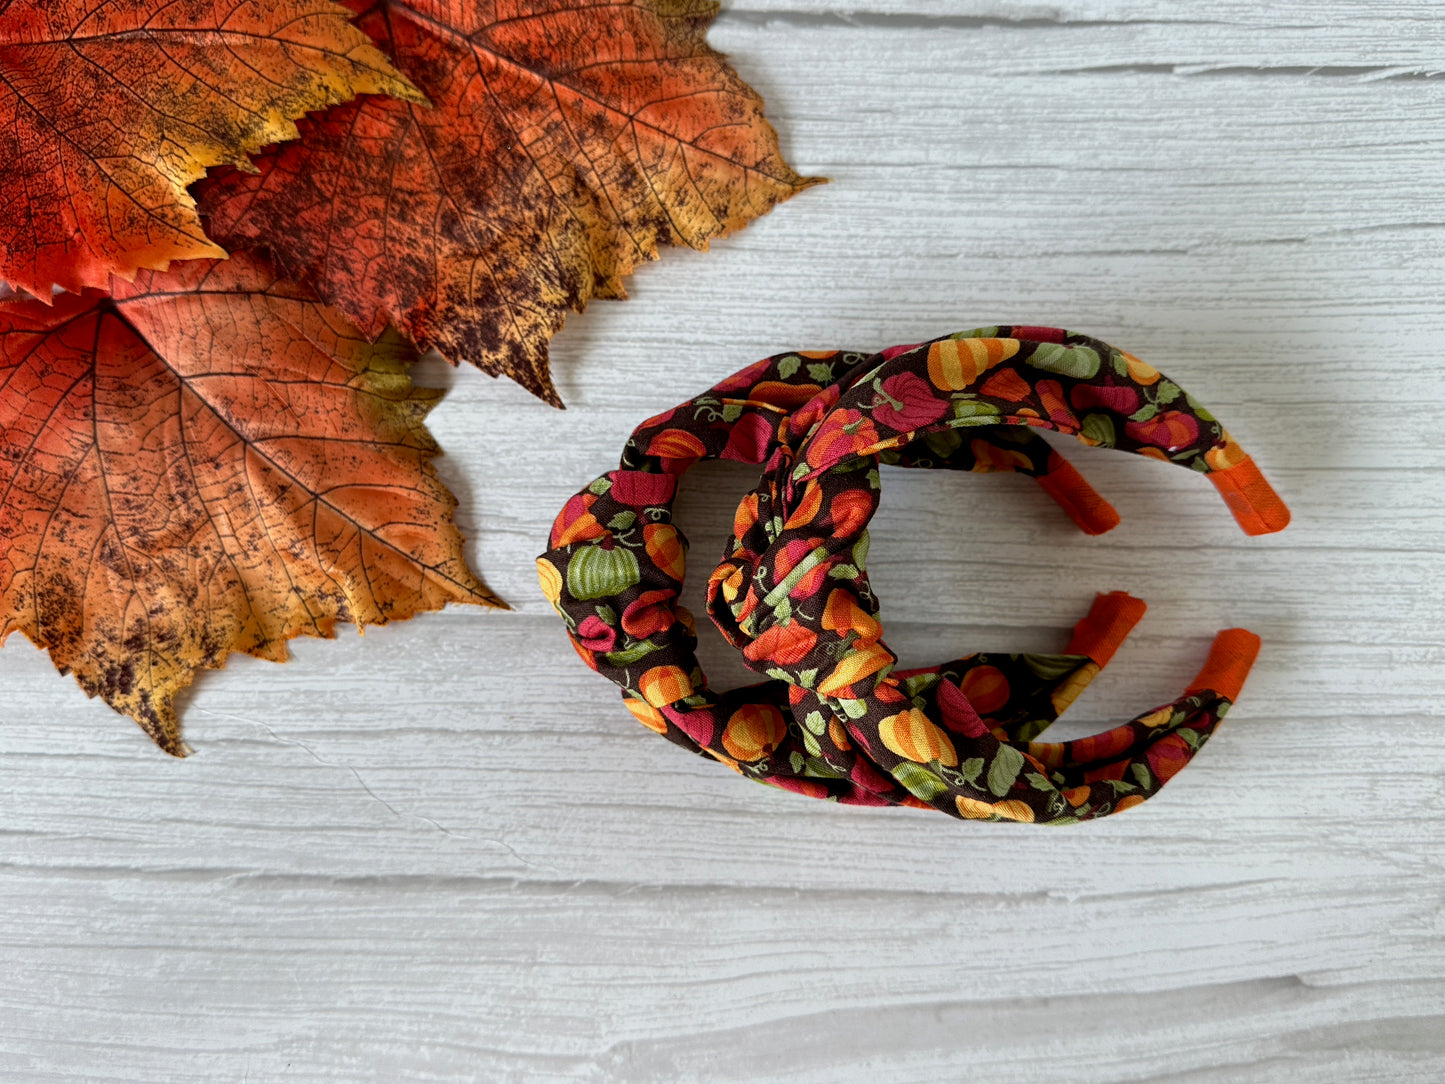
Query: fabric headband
column 835, row 720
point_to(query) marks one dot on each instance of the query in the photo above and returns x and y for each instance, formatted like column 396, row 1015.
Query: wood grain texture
column 444, row 852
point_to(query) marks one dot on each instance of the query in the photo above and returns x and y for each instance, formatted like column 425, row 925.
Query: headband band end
column 1230, row 659
column 1255, row 505
column 1105, row 627
column 1079, row 500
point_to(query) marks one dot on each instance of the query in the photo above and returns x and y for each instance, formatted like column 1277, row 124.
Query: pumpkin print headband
column 835, row 719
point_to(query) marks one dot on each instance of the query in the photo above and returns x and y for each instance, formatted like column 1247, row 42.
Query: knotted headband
column 835, row 720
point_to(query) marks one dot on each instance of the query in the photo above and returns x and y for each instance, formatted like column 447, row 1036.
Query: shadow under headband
column 835, row 720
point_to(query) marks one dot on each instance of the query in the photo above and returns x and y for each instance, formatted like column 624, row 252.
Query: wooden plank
column 607, row 980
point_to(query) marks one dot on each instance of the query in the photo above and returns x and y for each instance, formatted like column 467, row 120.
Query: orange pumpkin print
column 651, row 612
column 726, row 580
column 1012, row 809
column 776, row 393
column 583, row 653
column 811, row 412
column 1141, row 372
column 955, row 364
column 1007, row 384
column 1225, row 455
column 676, row 444
column 866, row 660
column 664, row 685
column 687, row 621
column 785, row 643
column 842, row 614
column 990, row 457
column 986, row 688
column 1116, row 770
column 1158, row 717
column 549, row 579
column 646, row 714
column 664, row 549
column 1048, row 753
column 729, row 761
column 754, row 731
column 1051, row 394
column 745, row 516
column 842, row 433
column 808, row 507
column 886, row 691
column 739, row 382
column 911, row 735
column 1009, row 809
column 1073, row 685
column 1103, row 746
column 575, row 523
column 973, row 808
column 849, row 511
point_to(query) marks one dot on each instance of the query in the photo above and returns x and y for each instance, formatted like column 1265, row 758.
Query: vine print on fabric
column 836, row 719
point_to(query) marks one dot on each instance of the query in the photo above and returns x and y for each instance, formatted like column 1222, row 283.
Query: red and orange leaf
column 568, row 140
column 209, row 462
column 110, row 108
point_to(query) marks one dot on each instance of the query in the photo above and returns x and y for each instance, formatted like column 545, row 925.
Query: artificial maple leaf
column 209, row 462
column 108, row 110
column 567, row 141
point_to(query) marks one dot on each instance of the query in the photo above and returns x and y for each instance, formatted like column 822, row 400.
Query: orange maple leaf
column 567, row 141
column 109, row 110
column 209, row 462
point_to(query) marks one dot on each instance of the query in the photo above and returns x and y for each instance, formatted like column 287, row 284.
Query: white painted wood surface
column 444, row 852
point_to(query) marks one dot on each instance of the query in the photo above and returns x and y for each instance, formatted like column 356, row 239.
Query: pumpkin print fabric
column 836, row 719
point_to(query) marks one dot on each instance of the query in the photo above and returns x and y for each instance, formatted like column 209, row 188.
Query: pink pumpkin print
column 1171, row 430
column 575, row 523
column 1121, row 400
column 698, row 725
column 957, row 714
column 789, row 557
column 658, row 419
column 893, row 351
column 909, row 405
column 596, row 635
column 810, row 787
column 749, row 440
column 1167, row 755
column 1039, row 334
column 641, row 488
column 744, row 379
column 866, row 776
